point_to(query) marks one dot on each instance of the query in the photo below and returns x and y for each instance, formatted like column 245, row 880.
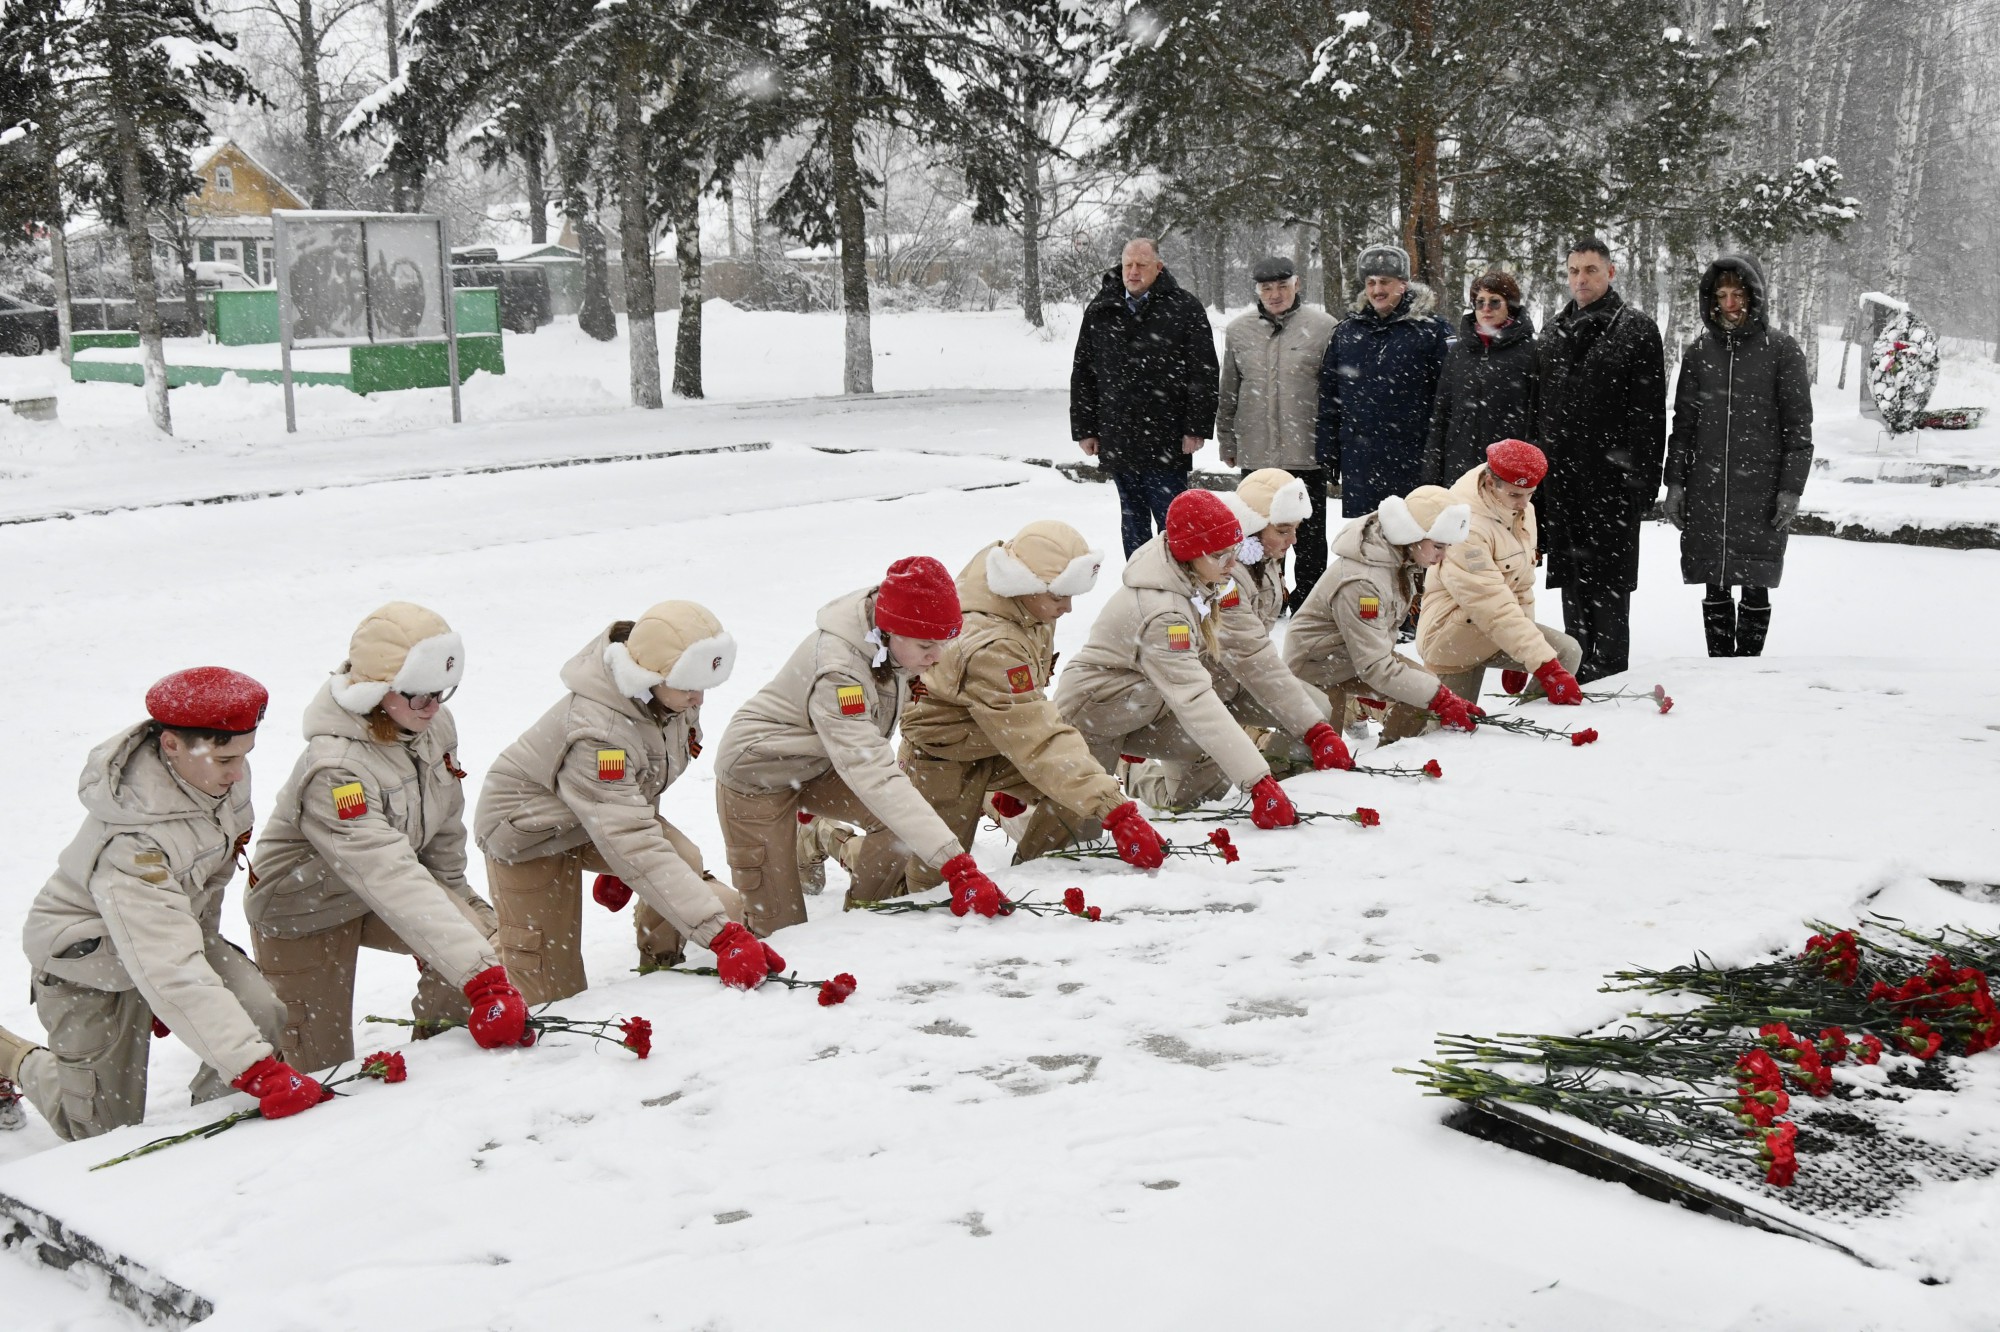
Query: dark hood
column 1521, row 330
column 1112, row 292
column 1756, row 320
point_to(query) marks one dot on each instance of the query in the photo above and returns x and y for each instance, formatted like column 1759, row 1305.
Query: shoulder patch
column 1370, row 607
column 853, row 702
column 349, row 801
column 1179, row 638
column 610, row 765
column 1020, row 679
column 1234, row 598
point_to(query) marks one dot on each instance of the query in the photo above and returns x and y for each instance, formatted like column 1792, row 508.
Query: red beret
column 918, row 599
column 208, row 698
column 1517, row 462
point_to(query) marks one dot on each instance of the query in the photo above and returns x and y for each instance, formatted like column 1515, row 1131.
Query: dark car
column 25, row 329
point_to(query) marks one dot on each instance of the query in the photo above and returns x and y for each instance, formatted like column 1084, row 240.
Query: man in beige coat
column 1273, row 506
column 1479, row 602
column 580, row 791
column 985, row 726
column 125, row 941
column 817, row 739
column 1343, row 640
column 1142, row 684
column 366, row 849
column 1268, row 411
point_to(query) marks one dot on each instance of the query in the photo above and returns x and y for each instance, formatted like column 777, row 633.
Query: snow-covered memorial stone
column 1829, row 1094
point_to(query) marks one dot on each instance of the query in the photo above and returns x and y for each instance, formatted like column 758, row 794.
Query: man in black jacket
column 1602, row 422
column 1740, row 454
column 1142, row 390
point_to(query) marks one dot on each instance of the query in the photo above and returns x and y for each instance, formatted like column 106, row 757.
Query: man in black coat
column 1143, row 387
column 1740, row 454
column 1602, row 422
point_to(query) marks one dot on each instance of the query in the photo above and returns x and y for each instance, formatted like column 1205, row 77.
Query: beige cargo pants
column 760, row 838
column 1178, row 774
column 957, row 790
column 540, row 906
column 1467, row 681
column 92, row 1077
column 314, row 975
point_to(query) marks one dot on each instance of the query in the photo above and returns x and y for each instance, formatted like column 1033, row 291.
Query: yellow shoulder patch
column 610, row 765
column 349, row 801
column 1179, row 638
column 1370, row 607
column 853, row 702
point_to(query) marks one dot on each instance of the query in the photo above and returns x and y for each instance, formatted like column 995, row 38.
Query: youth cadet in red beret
column 125, row 942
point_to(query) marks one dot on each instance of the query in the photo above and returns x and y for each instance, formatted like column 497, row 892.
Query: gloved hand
column 1138, row 844
column 161, row 1030
column 1268, row 806
column 1784, row 512
column 1513, row 681
column 1674, row 507
column 499, row 1013
column 280, row 1090
column 1007, row 807
column 610, row 892
column 741, row 958
column 1327, row 749
column 1453, row 711
column 961, row 872
column 1559, row 684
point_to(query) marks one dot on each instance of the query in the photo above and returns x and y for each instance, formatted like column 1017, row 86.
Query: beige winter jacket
column 831, row 709
column 1268, row 410
column 136, row 899
column 1346, row 629
column 1144, row 659
column 362, row 827
column 987, row 696
column 1481, row 599
column 593, row 770
column 1260, row 591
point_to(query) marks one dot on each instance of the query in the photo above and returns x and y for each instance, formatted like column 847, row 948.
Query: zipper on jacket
column 1728, row 404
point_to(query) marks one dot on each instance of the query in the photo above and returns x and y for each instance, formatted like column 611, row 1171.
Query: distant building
column 227, row 220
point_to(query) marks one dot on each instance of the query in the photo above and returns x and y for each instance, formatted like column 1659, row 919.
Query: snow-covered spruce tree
column 151, row 66
column 921, row 66
column 38, row 55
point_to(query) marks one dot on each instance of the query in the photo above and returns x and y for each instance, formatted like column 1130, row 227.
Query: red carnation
column 1219, row 838
column 1095, row 913
column 1833, row 1044
column 1917, row 1036
column 1367, row 818
column 1230, row 855
column 1872, row 1050
column 638, row 1036
column 1587, row 736
column 1432, row 769
column 1661, row 697
column 1073, row 901
column 1779, row 1154
column 835, row 991
column 386, row 1066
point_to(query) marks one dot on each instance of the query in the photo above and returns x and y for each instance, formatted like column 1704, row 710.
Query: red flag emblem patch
column 1020, row 679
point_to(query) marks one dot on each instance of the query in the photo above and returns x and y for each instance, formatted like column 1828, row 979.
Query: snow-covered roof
column 208, row 151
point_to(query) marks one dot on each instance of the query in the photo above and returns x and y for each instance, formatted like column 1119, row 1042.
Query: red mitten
column 1268, row 806
column 1453, row 711
column 1007, row 807
column 161, row 1029
column 1513, row 681
column 499, row 1013
column 610, row 892
column 1328, row 750
column 741, row 958
column 279, row 1089
column 1138, row 844
column 962, row 873
column 1559, row 684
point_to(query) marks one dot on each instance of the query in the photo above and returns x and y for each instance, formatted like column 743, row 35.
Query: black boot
column 1718, row 617
column 1752, row 624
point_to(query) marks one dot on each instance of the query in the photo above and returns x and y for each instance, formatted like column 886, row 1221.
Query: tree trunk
column 596, row 317
column 687, row 252
column 1907, row 175
column 192, row 299
column 139, row 249
column 635, row 234
column 850, row 219
column 58, row 215
column 537, row 186
column 1423, row 222
column 315, row 115
column 1031, row 224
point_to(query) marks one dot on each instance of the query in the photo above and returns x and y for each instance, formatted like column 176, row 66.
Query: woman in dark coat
column 1739, row 455
column 1486, row 392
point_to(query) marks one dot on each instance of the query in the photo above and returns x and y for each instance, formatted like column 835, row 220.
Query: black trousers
column 1144, row 492
column 1600, row 620
column 1309, row 554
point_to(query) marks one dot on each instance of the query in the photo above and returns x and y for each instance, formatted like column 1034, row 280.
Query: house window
column 266, row 264
column 225, row 180
column 205, row 251
column 229, row 252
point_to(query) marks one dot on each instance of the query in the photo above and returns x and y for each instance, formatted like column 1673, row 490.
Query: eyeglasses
column 1490, row 302
column 421, row 701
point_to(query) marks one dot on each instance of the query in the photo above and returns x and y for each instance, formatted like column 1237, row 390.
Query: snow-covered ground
column 1183, row 1117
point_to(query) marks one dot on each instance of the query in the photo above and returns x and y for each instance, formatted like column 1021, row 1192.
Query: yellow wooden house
column 229, row 217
